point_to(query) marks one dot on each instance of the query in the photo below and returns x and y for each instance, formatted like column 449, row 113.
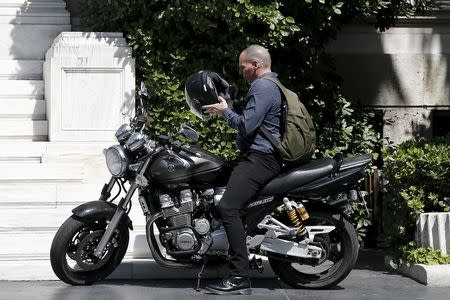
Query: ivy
column 412, row 254
column 417, row 180
column 172, row 39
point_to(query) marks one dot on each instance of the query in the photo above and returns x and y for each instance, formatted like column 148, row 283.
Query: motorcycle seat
column 299, row 176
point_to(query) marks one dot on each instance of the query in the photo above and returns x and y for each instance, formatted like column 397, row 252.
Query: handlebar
column 177, row 146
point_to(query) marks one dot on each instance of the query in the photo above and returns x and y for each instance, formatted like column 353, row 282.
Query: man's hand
column 216, row 109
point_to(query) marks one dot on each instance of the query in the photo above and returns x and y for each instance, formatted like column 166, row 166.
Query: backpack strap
column 263, row 129
column 278, row 83
column 266, row 133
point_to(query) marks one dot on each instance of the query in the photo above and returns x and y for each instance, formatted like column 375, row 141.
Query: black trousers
column 252, row 172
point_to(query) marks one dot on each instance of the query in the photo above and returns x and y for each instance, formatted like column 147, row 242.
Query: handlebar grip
column 187, row 150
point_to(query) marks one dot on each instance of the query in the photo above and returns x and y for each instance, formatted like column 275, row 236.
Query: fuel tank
column 204, row 170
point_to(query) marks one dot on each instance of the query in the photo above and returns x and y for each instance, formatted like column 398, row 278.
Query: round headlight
column 123, row 133
column 116, row 160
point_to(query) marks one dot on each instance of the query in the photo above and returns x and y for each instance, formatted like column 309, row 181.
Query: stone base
column 430, row 275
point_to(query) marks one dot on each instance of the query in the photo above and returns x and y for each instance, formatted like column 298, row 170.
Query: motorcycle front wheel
column 72, row 251
column 339, row 254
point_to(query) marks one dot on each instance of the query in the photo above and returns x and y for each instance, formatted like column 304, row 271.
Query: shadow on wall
column 27, row 31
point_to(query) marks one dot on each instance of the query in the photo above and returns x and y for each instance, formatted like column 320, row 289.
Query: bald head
column 254, row 61
column 257, row 52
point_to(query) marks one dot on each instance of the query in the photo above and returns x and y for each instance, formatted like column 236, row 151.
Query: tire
column 340, row 255
column 74, row 236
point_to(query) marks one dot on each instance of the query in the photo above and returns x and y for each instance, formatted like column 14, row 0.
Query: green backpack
column 298, row 136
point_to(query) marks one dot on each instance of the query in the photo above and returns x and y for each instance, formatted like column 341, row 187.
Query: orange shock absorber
column 302, row 211
column 297, row 222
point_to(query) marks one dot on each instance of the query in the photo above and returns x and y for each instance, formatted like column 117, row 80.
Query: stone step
column 32, row 109
column 50, row 219
column 14, row 244
column 24, row 89
column 50, row 195
column 34, row 5
column 21, row 69
column 32, row 2
column 35, row 173
column 27, row 41
column 21, row 152
column 23, row 129
column 58, row 18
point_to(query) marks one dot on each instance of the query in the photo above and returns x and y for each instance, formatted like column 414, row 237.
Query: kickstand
column 199, row 276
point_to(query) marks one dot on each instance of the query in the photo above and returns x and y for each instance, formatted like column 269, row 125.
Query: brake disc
column 85, row 257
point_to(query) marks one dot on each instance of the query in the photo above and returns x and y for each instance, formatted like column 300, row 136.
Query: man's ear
column 256, row 64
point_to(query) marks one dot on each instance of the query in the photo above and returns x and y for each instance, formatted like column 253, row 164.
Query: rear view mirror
column 189, row 132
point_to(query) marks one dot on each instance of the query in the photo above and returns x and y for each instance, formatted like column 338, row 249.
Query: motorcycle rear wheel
column 71, row 253
column 338, row 259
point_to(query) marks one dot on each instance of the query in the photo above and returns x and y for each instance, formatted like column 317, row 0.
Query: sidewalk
column 369, row 280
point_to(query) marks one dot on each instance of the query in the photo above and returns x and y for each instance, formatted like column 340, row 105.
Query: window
column 440, row 122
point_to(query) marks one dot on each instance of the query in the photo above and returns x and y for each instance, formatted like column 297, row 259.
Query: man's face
column 247, row 68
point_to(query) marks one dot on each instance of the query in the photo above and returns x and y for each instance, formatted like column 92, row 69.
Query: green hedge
column 172, row 39
column 417, row 180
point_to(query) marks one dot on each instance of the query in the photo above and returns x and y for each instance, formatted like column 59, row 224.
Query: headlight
column 123, row 133
column 116, row 160
column 135, row 142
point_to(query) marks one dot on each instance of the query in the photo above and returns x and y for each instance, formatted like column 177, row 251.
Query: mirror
column 143, row 91
column 189, row 132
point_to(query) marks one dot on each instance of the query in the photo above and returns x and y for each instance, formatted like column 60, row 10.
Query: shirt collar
column 269, row 74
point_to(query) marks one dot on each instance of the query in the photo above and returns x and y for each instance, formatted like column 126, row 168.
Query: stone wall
column 404, row 72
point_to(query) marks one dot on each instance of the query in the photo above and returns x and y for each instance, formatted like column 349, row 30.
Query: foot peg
column 256, row 264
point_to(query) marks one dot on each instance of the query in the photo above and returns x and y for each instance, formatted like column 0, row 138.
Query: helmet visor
column 195, row 106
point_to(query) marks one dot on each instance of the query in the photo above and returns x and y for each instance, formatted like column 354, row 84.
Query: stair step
column 21, row 69
column 14, row 244
column 31, row 109
column 21, row 152
column 28, row 172
column 23, row 129
column 20, row 41
column 50, row 219
column 36, row 18
column 24, row 2
column 50, row 195
column 25, row 89
column 35, row 5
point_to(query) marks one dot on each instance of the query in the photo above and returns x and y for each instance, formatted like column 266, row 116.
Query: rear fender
column 98, row 209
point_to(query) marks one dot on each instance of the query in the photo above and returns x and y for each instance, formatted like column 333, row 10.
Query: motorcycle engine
column 184, row 238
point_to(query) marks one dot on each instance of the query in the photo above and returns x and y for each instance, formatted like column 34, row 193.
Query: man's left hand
column 216, row 109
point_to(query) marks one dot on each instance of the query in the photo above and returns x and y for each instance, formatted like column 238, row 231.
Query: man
column 258, row 163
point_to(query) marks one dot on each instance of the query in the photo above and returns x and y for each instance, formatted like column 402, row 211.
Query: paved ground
column 369, row 280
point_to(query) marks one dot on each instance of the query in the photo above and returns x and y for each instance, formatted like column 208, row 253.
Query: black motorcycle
column 297, row 220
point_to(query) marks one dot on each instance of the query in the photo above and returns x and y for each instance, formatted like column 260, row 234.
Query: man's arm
column 254, row 111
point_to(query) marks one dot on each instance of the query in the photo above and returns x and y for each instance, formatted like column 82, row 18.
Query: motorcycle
column 297, row 221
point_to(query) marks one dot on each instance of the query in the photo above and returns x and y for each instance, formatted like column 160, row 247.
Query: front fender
column 95, row 210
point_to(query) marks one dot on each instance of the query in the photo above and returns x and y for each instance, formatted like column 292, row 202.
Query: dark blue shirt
column 263, row 104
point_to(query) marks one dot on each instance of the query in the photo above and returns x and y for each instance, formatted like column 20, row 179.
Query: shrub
column 417, row 180
column 412, row 254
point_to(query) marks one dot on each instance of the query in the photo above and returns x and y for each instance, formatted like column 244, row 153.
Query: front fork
column 107, row 188
column 140, row 181
column 121, row 210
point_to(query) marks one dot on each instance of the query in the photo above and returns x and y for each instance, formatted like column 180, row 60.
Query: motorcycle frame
column 255, row 211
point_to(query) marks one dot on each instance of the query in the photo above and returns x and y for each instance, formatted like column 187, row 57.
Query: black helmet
column 203, row 88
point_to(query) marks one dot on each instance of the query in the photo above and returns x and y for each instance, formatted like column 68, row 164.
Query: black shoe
column 232, row 285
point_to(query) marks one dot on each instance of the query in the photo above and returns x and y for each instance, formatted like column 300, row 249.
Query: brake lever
column 178, row 146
